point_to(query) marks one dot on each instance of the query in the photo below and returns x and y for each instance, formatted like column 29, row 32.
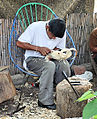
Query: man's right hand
column 43, row 50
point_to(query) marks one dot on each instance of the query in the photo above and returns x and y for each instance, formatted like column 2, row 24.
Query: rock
column 78, row 70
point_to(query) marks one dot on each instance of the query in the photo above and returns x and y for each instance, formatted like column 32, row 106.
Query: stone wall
column 8, row 8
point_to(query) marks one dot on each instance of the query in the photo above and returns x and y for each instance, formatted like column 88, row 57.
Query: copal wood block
column 7, row 89
column 66, row 98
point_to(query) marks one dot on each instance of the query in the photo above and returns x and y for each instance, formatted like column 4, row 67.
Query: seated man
column 38, row 40
column 93, row 44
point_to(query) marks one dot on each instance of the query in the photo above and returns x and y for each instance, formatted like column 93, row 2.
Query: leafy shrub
column 90, row 109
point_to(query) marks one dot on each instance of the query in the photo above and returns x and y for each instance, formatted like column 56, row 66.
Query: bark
column 7, row 89
column 66, row 98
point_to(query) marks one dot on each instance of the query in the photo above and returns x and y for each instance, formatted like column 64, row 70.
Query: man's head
column 56, row 27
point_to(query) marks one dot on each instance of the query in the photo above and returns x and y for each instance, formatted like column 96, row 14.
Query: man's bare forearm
column 27, row 46
column 94, row 49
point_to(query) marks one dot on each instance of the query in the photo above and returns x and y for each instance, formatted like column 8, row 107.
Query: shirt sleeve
column 27, row 35
column 62, row 43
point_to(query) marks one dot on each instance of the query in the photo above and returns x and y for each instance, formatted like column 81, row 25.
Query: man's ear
column 47, row 27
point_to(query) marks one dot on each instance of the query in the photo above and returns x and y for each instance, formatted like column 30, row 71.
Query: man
column 38, row 40
column 93, row 44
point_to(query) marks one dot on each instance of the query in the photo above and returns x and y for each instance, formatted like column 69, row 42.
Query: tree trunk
column 66, row 98
column 7, row 89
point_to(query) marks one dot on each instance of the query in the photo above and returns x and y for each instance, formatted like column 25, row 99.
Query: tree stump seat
column 7, row 89
column 66, row 98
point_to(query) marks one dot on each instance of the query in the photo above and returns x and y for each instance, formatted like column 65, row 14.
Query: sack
column 86, row 76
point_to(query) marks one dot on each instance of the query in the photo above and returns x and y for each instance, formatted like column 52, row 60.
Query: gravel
column 26, row 98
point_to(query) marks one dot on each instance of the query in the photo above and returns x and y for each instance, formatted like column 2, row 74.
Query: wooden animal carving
column 61, row 55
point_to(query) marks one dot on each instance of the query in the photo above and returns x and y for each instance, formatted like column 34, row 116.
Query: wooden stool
column 66, row 98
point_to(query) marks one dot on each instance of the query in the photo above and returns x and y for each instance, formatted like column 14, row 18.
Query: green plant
column 90, row 109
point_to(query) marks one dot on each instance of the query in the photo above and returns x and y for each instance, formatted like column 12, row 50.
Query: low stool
column 66, row 98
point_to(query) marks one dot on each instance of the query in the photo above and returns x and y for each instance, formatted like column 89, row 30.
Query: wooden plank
column 3, row 68
column 80, row 26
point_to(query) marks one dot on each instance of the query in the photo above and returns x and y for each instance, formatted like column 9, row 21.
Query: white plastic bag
column 86, row 76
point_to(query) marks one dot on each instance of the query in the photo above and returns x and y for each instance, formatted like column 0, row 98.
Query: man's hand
column 43, row 50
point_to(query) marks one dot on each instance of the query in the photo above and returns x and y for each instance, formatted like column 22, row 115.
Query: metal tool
column 77, row 95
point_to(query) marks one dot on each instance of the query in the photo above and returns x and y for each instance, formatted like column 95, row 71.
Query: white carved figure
column 61, row 55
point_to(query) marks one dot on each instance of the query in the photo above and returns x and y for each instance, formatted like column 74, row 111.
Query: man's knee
column 64, row 66
column 51, row 66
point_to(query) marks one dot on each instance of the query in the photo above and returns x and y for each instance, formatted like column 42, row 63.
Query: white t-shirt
column 36, row 35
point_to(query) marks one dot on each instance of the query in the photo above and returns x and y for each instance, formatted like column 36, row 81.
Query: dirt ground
column 24, row 104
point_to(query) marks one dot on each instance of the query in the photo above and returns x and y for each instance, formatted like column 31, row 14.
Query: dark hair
column 57, row 27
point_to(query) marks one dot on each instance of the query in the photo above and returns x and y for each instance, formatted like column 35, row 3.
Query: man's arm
column 93, row 41
column 93, row 48
column 26, row 46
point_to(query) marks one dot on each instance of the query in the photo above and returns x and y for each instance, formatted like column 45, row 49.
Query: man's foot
column 53, row 106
